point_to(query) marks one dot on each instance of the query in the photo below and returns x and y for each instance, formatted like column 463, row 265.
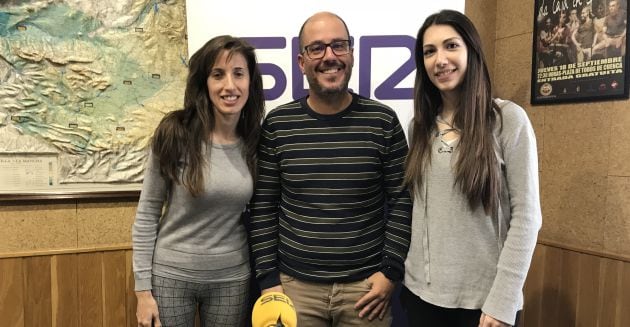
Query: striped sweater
column 329, row 205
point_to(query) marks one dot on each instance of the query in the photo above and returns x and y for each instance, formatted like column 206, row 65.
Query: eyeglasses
column 317, row 50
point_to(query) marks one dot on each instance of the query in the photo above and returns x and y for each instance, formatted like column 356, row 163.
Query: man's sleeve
column 398, row 217
column 264, row 212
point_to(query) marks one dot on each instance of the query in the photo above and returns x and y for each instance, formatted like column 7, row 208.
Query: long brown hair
column 477, row 170
column 180, row 136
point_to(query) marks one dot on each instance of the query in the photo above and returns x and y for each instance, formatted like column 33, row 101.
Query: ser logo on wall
column 386, row 89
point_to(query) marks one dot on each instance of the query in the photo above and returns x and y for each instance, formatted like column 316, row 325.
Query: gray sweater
column 460, row 258
column 194, row 239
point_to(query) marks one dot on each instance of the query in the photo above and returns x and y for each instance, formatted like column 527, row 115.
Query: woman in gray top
column 473, row 170
column 189, row 245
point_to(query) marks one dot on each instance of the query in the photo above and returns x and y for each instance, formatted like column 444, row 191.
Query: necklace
column 445, row 147
column 441, row 120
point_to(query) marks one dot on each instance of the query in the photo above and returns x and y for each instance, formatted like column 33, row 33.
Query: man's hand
column 487, row 321
column 147, row 310
column 277, row 288
column 376, row 302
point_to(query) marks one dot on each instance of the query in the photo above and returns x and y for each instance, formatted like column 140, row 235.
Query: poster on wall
column 579, row 51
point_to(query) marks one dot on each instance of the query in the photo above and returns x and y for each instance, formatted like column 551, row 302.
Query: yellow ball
column 273, row 308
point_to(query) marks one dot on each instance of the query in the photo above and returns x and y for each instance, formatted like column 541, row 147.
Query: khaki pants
column 329, row 305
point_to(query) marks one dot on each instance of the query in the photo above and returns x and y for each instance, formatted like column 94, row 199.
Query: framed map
column 82, row 86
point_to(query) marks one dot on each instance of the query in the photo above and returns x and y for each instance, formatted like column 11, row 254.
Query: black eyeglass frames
column 318, row 49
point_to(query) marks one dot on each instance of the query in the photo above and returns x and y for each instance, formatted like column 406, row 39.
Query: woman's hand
column 487, row 321
column 147, row 310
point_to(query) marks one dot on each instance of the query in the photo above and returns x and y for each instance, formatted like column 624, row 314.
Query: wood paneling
column 573, row 289
column 131, row 295
column 90, row 289
column 568, row 288
column 114, row 288
column 65, row 302
column 564, row 288
column 68, row 290
column 551, row 299
column 623, row 303
column 11, row 292
column 609, row 279
column 37, row 292
column 533, row 285
column 588, row 290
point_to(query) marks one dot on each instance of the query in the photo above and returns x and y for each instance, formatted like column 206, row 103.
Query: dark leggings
column 420, row 313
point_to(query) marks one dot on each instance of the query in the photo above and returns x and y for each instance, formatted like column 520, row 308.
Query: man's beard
column 320, row 90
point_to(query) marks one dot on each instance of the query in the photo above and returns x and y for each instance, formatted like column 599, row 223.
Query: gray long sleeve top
column 194, row 239
column 460, row 258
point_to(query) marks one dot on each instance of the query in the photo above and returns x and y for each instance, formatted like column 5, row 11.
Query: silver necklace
column 441, row 120
column 445, row 147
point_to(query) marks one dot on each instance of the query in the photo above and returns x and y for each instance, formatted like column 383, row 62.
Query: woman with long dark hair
column 473, row 170
column 190, row 249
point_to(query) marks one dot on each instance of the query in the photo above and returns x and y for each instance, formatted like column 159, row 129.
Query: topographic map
column 88, row 81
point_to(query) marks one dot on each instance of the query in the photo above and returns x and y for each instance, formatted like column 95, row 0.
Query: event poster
column 579, row 51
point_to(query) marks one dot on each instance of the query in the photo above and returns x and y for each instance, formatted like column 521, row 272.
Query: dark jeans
column 420, row 313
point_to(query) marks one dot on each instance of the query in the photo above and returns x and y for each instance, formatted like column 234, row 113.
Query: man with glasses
column 330, row 217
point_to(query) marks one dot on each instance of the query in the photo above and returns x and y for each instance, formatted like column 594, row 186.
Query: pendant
column 445, row 148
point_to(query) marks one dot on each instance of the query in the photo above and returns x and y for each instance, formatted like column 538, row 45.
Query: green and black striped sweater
column 329, row 205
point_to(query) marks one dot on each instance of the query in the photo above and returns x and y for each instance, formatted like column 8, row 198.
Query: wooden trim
column 114, row 247
column 127, row 246
column 69, row 195
column 603, row 254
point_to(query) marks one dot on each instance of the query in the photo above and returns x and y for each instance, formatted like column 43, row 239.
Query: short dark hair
column 308, row 19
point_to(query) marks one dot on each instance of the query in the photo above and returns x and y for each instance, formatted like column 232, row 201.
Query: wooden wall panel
column 12, row 292
column 623, row 302
column 131, row 295
column 563, row 289
column 610, row 281
column 65, row 303
column 568, row 288
column 571, row 289
column 551, row 298
column 90, row 289
column 114, row 288
column 588, row 290
column 37, row 295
